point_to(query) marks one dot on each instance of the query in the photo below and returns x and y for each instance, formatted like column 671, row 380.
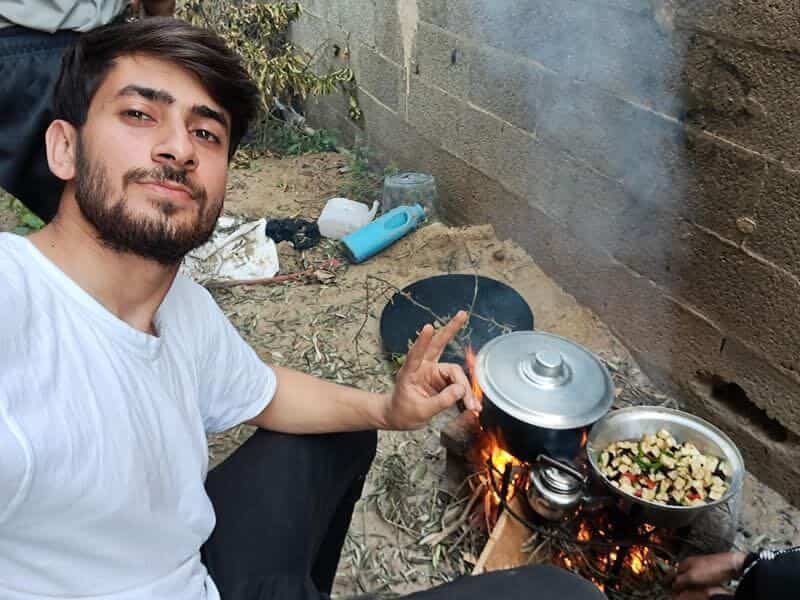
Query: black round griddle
column 501, row 306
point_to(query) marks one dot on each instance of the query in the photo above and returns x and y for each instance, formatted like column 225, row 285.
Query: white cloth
column 59, row 15
column 103, row 451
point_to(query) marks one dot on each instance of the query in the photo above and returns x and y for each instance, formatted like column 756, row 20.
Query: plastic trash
column 383, row 232
column 342, row 216
column 237, row 250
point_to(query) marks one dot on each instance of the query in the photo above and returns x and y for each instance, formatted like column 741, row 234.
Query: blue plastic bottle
column 382, row 232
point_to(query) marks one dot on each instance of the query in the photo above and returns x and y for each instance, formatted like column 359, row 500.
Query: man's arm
column 425, row 387
column 307, row 404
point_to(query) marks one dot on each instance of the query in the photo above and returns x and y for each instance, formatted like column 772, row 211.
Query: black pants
column 283, row 506
column 29, row 65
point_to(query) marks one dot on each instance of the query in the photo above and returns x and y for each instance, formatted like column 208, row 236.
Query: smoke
column 597, row 84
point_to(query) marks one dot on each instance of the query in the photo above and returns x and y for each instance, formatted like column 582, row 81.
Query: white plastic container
column 342, row 216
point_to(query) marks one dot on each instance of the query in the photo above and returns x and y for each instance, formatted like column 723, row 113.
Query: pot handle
column 564, row 468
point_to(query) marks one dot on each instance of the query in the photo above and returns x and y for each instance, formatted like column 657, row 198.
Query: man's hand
column 701, row 577
column 426, row 387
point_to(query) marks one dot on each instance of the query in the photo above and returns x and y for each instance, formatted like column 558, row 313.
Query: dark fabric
column 539, row 582
column 283, row 505
column 301, row 233
column 773, row 579
column 29, row 65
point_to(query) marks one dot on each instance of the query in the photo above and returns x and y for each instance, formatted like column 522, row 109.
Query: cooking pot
column 542, row 393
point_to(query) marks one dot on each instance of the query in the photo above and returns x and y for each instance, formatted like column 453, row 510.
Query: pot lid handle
column 546, row 368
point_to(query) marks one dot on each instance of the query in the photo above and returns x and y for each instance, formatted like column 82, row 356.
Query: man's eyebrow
column 147, row 93
column 201, row 110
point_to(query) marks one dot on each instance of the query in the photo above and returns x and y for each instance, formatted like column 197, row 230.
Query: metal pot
column 632, row 423
column 542, row 394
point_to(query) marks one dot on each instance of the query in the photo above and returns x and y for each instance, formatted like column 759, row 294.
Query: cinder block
column 379, row 76
column 771, row 24
column 767, row 385
column 775, row 463
column 433, row 11
column 442, row 59
column 746, row 298
column 307, row 31
column 746, row 96
column 506, row 85
column 777, row 219
column 388, row 37
column 317, row 8
column 619, row 51
column 722, row 184
column 326, row 112
column 357, row 18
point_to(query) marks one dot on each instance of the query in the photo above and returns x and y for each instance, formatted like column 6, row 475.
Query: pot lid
column 544, row 379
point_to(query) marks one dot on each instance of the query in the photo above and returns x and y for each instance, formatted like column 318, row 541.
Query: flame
column 584, row 438
column 639, row 559
column 487, row 447
column 473, row 373
column 584, row 533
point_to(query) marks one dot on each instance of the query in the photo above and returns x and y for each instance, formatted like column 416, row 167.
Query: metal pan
column 404, row 315
column 632, row 423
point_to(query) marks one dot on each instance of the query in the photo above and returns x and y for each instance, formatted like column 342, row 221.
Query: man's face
column 152, row 160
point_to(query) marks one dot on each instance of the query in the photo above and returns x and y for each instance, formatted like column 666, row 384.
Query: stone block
column 433, row 11
column 745, row 95
column 777, row 219
column 769, row 387
column 744, row 297
column 776, row 463
column 308, row 31
column 442, row 59
column 618, row 51
column 378, row 75
column 388, row 36
column 357, row 18
column 722, row 184
column 771, row 24
column 506, row 85
column 327, row 112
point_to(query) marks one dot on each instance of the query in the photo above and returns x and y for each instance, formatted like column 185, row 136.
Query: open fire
column 622, row 558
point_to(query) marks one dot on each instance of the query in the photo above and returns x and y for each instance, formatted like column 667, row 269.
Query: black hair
column 88, row 61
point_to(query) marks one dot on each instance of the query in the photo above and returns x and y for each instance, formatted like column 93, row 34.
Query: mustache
column 162, row 174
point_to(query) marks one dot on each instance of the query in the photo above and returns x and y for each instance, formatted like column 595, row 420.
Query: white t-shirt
column 103, row 450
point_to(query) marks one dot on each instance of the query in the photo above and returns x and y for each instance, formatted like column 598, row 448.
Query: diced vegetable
column 658, row 469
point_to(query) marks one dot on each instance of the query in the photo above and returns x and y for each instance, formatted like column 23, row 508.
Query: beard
column 161, row 238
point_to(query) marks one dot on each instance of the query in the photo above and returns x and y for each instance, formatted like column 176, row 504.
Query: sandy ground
column 327, row 324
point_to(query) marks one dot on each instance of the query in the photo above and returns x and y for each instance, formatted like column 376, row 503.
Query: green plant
column 257, row 31
column 289, row 140
column 363, row 179
column 26, row 220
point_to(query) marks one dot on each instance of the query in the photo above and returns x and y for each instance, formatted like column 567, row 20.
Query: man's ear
column 61, row 139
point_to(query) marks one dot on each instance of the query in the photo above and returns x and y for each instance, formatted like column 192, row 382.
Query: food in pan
column 658, row 469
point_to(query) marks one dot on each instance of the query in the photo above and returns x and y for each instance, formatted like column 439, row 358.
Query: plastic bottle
column 383, row 232
column 342, row 216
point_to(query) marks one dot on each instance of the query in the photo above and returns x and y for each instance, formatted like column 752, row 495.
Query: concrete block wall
column 645, row 152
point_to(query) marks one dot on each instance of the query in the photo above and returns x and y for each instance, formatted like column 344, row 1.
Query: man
column 113, row 367
column 33, row 35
